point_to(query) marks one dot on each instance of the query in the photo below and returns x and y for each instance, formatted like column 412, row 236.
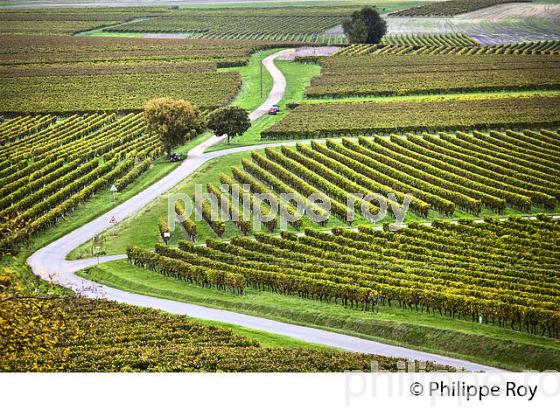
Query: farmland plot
column 550, row 47
column 77, row 74
column 316, row 120
column 448, row 174
column 48, row 168
column 492, row 270
column 418, row 74
column 452, row 7
column 504, row 24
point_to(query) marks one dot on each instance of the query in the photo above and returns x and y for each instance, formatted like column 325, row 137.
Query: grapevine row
column 466, row 274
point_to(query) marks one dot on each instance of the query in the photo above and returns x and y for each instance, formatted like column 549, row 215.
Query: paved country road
column 50, row 262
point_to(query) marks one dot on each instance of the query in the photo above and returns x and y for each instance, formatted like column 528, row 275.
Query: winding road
column 50, row 262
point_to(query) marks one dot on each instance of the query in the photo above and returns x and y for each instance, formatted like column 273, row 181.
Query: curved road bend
column 50, row 262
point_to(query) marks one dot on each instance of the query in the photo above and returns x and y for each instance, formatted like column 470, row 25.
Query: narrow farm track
column 50, row 262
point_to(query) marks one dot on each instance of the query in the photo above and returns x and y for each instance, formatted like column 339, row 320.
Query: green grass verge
column 100, row 33
column 298, row 76
column 265, row 339
column 250, row 97
column 492, row 345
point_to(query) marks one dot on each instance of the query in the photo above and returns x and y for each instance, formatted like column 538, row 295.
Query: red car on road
column 273, row 110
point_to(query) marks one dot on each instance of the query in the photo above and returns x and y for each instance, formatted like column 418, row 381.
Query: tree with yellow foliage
column 174, row 121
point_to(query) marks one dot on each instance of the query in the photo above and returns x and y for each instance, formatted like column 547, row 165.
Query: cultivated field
column 420, row 268
column 275, row 25
column 79, row 74
column 502, row 24
column 354, row 118
column 72, row 159
column 551, row 47
column 83, row 335
column 379, row 166
column 401, row 75
column 456, row 109
column 449, row 175
column 453, row 7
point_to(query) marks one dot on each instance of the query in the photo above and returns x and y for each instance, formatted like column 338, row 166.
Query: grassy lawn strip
column 298, row 76
column 265, row 339
column 100, row 33
column 249, row 98
column 487, row 344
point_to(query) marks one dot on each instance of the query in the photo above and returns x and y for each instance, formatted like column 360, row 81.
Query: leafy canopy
column 229, row 120
column 174, row 121
column 365, row 26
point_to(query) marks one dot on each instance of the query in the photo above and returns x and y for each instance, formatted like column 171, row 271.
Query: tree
column 174, row 121
column 229, row 120
column 365, row 26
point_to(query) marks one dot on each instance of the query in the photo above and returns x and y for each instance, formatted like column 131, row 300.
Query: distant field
column 231, row 23
column 316, row 120
column 317, row 21
column 297, row 22
column 76, row 74
column 401, row 75
column 68, row 21
column 451, row 7
column 107, row 68
column 65, row 49
column 49, row 27
column 550, row 47
column 456, row 40
column 288, row 24
column 503, row 24
column 385, row 5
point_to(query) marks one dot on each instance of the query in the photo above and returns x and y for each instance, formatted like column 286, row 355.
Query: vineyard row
column 502, row 272
column 446, row 173
column 46, row 174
